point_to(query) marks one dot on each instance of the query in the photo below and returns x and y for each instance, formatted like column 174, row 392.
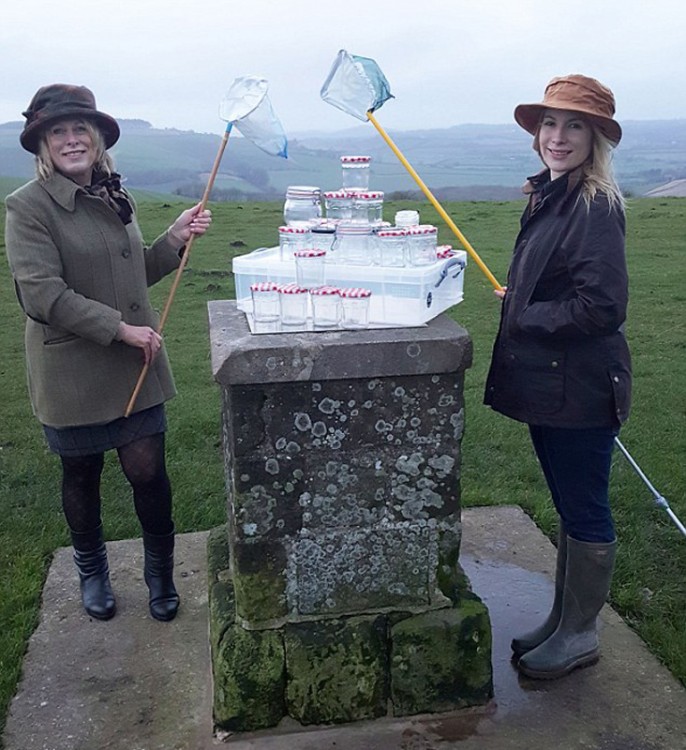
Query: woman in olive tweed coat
column 81, row 271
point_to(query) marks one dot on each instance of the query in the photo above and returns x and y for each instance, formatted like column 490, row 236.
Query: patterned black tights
column 144, row 467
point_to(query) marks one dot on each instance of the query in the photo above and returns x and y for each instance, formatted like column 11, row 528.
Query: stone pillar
column 335, row 589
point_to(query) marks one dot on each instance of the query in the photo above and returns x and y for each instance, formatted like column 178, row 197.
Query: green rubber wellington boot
column 574, row 643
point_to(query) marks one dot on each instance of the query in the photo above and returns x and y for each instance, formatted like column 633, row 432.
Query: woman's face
column 565, row 140
column 72, row 150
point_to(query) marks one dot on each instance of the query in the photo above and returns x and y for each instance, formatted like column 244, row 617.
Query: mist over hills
column 464, row 162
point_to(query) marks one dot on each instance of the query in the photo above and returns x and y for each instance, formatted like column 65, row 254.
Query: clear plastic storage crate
column 400, row 296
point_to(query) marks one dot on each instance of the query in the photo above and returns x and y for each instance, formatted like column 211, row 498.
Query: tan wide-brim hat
column 60, row 100
column 579, row 94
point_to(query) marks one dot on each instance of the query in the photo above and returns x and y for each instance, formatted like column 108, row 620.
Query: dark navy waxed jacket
column 560, row 358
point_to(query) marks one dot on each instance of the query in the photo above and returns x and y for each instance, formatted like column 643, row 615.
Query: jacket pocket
column 539, row 376
column 63, row 339
column 620, row 382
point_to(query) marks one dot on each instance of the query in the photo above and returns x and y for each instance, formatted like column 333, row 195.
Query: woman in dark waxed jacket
column 560, row 360
column 82, row 274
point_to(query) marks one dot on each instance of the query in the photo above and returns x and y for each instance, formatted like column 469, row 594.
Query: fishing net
column 356, row 85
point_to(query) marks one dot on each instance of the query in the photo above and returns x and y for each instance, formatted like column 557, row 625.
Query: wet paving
column 135, row 684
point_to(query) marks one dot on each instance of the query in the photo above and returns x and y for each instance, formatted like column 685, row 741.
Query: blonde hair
column 104, row 163
column 598, row 172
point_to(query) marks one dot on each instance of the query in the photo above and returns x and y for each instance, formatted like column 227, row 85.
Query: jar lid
column 310, row 252
column 264, row 286
column 302, row 191
column 325, row 291
column 294, row 229
column 397, row 232
column 422, row 229
column 348, row 228
column 444, row 251
column 355, row 159
column 338, row 194
column 292, row 289
column 407, row 218
column 369, row 195
column 327, row 228
column 355, row 292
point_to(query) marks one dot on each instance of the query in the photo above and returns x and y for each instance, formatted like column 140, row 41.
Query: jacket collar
column 62, row 190
column 541, row 189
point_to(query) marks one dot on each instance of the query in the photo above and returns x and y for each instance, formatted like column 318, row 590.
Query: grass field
column 649, row 588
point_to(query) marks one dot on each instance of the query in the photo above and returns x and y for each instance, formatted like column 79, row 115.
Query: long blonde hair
column 104, row 163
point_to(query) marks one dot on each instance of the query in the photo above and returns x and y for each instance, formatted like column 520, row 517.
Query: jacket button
column 616, row 379
column 134, row 307
column 125, row 253
column 554, row 363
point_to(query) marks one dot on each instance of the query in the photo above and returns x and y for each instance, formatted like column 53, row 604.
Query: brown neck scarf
column 108, row 187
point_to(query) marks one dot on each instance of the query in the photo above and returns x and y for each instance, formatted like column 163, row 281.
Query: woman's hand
column 500, row 293
column 191, row 221
column 142, row 337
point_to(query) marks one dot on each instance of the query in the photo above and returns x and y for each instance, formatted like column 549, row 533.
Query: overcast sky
column 448, row 61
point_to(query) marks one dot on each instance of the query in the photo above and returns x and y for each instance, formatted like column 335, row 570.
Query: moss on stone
column 337, row 670
column 261, row 595
column 249, row 680
column 441, row 660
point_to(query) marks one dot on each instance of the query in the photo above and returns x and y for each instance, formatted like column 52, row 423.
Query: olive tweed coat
column 78, row 272
column 560, row 358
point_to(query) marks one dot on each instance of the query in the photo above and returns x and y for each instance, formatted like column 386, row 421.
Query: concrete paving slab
column 136, row 684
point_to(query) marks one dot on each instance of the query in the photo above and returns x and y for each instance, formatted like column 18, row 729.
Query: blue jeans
column 576, row 465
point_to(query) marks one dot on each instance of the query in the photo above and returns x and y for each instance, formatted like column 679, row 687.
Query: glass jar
column 422, row 241
column 390, row 245
column 367, row 208
column 355, row 172
column 303, row 205
column 406, row 218
column 338, row 205
column 354, row 307
column 291, row 239
column 293, row 305
column 353, row 245
column 265, row 301
column 326, row 307
column 309, row 267
column 322, row 236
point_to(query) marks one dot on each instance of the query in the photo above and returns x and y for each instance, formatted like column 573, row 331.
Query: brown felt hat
column 579, row 94
column 60, row 100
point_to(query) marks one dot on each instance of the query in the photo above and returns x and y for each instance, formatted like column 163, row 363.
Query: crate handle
column 452, row 263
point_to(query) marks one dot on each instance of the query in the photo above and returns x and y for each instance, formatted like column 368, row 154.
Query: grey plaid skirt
column 98, row 438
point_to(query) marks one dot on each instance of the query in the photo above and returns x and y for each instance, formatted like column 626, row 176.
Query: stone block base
column 344, row 669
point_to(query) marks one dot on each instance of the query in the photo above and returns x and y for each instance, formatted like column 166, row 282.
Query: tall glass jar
column 303, row 205
column 353, row 245
column 422, row 241
column 390, row 245
column 355, row 172
column 367, row 207
column 292, row 238
column 338, row 205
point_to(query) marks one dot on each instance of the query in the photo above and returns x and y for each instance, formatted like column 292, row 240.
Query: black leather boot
column 159, row 575
column 90, row 556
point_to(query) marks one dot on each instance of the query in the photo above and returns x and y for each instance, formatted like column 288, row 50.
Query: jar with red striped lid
column 265, row 301
column 293, row 301
column 422, row 241
column 338, row 204
column 292, row 238
column 367, row 207
column 443, row 252
column 355, row 172
column 326, row 307
column 309, row 267
column 390, row 244
column 354, row 307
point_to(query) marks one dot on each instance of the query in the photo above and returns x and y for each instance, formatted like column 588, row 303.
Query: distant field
column 649, row 588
